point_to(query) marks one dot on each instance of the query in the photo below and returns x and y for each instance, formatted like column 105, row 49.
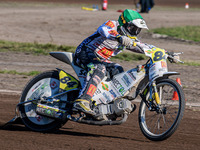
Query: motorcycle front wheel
column 159, row 124
column 43, row 85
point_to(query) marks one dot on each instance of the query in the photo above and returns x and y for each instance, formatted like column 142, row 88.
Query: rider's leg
column 96, row 72
column 94, row 77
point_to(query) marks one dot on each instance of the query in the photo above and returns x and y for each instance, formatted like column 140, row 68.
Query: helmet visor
column 132, row 29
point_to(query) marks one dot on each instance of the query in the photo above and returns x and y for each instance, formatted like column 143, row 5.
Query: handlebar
column 171, row 57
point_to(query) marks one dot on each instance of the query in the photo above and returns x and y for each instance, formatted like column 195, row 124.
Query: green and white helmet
column 131, row 23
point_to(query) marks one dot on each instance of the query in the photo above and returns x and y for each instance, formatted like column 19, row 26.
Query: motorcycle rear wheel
column 44, row 84
column 158, row 125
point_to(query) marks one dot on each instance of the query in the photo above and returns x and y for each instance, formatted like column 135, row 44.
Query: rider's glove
column 176, row 59
column 173, row 58
column 124, row 40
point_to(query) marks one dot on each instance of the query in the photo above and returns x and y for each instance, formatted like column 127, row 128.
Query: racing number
column 69, row 84
column 158, row 56
column 65, row 80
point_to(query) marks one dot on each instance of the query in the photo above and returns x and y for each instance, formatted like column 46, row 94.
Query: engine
column 117, row 108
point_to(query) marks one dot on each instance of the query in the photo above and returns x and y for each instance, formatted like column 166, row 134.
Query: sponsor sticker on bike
column 113, row 94
column 98, row 91
column 104, row 86
column 131, row 73
column 38, row 118
column 53, row 84
column 126, row 80
column 91, row 90
column 118, row 85
column 37, row 86
column 108, row 99
column 163, row 64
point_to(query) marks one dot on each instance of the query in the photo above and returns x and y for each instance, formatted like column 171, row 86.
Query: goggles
column 133, row 29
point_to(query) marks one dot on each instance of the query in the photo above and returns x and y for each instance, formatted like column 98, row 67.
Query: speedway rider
column 94, row 52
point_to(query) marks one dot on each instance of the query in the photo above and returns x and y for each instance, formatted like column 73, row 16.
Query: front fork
column 157, row 98
column 153, row 95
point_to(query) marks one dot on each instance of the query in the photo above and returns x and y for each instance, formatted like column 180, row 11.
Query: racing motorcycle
column 47, row 100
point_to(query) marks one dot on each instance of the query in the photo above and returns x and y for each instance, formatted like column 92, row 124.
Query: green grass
column 191, row 33
column 44, row 49
column 14, row 72
column 191, row 63
column 33, row 48
column 127, row 56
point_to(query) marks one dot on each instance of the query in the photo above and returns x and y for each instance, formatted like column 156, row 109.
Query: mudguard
column 166, row 75
column 67, row 81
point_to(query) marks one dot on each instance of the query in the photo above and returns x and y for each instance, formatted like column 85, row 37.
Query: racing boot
column 83, row 106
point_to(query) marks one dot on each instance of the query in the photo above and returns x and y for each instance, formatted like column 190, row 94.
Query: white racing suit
column 94, row 53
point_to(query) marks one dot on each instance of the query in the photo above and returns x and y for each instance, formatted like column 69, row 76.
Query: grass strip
column 128, row 56
column 33, row 48
column 191, row 33
column 14, row 72
column 44, row 49
column 191, row 63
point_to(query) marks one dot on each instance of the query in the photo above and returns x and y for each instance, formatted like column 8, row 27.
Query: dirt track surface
column 69, row 25
column 88, row 137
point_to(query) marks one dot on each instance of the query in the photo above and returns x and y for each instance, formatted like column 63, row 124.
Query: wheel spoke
column 150, row 121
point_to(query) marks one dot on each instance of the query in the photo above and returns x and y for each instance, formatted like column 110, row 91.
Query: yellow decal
column 157, row 98
column 158, row 54
column 132, row 37
column 134, row 44
column 67, row 82
column 123, row 20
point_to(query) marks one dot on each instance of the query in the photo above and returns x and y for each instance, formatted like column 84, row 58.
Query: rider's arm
column 109, row 30
column 135, row 49
column 138, row 47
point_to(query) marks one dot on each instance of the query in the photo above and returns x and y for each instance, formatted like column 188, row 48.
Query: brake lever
column 176, row 54
column 171, row 57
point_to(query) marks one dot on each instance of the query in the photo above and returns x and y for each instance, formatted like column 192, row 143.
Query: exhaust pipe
column 104, row 122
